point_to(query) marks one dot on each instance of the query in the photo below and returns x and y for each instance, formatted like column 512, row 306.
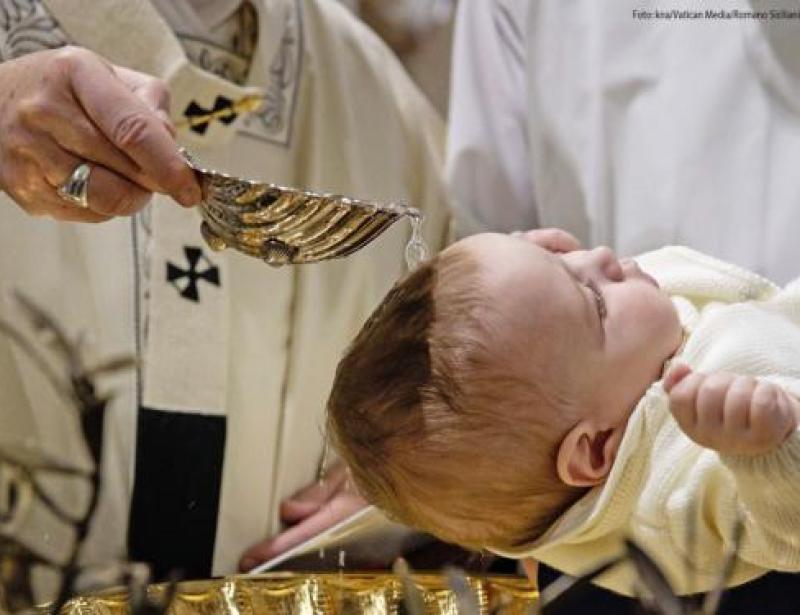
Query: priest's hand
column 308, row 512
column 63, row 107
column 531, row 568
column 732, row 414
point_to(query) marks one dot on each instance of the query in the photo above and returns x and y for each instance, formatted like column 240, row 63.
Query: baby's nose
column 630, row 266
column 607, row 263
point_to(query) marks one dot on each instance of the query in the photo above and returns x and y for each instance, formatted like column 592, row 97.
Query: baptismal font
column 23, row 467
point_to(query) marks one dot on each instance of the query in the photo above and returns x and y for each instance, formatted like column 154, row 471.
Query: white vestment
column 341, row 116
column 630, row 132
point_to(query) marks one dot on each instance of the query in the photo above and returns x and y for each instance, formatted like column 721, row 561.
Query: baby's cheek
column 656, row 309
column 671, row 324
column 650, row 324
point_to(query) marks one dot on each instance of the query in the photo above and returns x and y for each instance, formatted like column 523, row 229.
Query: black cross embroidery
column 188, row 288
column 195, row 110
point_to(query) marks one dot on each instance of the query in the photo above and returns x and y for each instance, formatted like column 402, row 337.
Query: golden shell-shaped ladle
column 285, row 226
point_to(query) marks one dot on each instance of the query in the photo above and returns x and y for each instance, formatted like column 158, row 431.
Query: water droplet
column 322, row 552
column 322, row 464
column 342, row 555
column 416, row 248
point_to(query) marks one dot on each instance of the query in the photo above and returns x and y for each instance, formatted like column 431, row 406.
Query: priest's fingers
column 38, row 198
column 531, row 568
column 311, row 498
column 43, row 126
column 153, row 92
column 337, row 509
column 108, row 194
column 132, row 127
column 49, row 110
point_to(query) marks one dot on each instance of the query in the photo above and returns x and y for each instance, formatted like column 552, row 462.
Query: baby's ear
column 587, row 453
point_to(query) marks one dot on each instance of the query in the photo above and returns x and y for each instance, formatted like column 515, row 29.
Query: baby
column 517, row 394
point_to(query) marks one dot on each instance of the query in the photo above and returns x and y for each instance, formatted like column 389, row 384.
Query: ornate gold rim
column 321, row 593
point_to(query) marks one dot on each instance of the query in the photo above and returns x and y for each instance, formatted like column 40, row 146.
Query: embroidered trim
column 215, row 59
column 231, row 62
column 26, row 27
column 274, row 121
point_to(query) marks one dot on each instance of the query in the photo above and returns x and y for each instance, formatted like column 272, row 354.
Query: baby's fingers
column 675, row 374
column 710, row 406
column 732, row 414
column 737, row 406
column 697, row 402
column 771, row 418
column 683, row 385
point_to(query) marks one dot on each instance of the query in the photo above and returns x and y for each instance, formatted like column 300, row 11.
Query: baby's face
column 603, row 320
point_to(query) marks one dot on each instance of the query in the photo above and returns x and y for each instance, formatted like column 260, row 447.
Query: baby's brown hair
column 439, row 428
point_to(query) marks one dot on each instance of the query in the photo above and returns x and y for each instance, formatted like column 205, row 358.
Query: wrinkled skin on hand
column 59, row 108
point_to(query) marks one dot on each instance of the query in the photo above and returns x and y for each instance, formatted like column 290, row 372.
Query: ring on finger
column 75, row 189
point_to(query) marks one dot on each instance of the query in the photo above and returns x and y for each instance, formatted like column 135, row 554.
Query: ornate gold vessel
column 286, row 226
column 321, row 594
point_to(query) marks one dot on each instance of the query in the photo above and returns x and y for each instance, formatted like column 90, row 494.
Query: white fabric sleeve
column 769, row 493
column 488, row 166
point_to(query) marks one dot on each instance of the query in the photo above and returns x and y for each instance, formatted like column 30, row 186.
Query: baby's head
column 493, row 384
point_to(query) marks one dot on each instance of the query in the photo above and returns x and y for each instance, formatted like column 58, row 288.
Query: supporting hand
column 310, row 511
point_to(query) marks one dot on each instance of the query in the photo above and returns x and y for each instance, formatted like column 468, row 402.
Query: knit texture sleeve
column 702, row 278
column 769, row 494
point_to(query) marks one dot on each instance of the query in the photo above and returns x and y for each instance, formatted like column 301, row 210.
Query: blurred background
column 420, row 33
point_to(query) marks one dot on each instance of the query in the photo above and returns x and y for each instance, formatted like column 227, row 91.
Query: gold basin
column 320, row 594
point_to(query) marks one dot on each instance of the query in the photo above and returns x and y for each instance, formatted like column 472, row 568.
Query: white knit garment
column 662, row 483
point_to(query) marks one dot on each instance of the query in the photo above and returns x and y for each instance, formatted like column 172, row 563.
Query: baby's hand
column 736, row 415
